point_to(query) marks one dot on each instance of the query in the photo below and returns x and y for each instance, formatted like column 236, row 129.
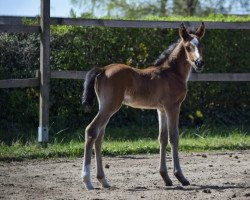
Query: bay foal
column 162, row 87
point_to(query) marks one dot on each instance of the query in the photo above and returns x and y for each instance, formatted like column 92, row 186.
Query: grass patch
column 191, row 140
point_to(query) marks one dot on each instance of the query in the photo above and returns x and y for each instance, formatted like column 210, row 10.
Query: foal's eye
column 188, row 48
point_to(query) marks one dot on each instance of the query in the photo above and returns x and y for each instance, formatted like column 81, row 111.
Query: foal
column 162, row 87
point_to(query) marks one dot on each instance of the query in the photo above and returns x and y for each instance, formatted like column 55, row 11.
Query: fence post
column 44, row 72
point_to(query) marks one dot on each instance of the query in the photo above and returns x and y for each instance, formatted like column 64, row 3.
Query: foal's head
column 193, row 47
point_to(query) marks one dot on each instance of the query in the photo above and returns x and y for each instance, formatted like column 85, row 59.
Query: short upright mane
column 165, row 54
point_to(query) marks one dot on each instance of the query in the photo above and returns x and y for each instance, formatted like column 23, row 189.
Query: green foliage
column 210, row 18
column 81, row 48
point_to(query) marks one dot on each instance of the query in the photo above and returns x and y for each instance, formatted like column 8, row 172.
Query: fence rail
column 20, row 21
column 80, row 75
column 146, row 24
column 19, row 29
column 19, row 83
column 220, row 77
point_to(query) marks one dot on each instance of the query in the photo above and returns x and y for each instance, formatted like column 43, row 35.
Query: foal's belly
column 140, row 103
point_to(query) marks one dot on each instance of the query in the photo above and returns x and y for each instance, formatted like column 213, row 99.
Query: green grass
column 191, row 140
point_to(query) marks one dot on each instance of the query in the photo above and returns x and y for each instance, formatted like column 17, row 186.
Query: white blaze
column 195, row 42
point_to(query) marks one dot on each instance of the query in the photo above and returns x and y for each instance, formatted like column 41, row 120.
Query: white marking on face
column 194, row 42
column 196, row 52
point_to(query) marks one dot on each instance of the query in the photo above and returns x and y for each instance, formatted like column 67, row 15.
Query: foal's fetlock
column 87, row 182
column 168, row 182
column 103, row 182
column 181, row 178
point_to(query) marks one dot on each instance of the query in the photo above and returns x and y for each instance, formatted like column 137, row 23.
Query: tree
column 143, row 8
column 186, row 7
column 122, row 8
column 226, row 7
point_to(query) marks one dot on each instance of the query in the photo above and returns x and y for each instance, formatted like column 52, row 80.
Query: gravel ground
column 212, row 176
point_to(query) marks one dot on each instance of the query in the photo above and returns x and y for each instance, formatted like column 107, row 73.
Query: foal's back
column 140, row 88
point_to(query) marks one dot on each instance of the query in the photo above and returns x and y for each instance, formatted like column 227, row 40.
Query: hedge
column 81, row 48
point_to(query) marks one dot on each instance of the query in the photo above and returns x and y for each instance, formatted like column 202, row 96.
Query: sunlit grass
column 190, row 141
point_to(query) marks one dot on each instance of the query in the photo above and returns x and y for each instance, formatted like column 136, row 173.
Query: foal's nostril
column 199, row 63
column 202, row 63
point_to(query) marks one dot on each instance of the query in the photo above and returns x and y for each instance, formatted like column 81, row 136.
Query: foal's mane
column 166, row 53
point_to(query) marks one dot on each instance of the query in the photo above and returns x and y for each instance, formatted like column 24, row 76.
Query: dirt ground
column 212, row 176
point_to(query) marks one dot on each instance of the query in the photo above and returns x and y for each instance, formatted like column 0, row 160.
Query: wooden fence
column 9, row 24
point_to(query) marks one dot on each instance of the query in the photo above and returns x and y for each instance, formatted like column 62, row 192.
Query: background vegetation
column 160, row 8
column 81, row 48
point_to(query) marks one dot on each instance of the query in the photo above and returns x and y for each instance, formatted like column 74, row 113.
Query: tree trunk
column 163, row 10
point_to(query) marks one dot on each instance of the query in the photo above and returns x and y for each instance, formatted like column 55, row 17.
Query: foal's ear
column 183, row 32
column 200, row 32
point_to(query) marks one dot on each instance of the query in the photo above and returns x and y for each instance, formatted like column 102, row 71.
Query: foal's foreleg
column 163, row 139
column 173, row 121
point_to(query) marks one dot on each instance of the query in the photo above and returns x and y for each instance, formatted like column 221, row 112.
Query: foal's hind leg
column 108, row 105
column 91, row 135
column 99, row 167
column 163, row 139
column 173, row 120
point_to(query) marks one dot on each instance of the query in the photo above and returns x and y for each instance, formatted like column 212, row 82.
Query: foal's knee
column 163, row 138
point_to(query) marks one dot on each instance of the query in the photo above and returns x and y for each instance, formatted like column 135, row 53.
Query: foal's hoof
column 87, row 182
column 104, row 182
column 182, row 179
column 166, row 178
column 185, row 183
column 89, row 186
column 169, row 183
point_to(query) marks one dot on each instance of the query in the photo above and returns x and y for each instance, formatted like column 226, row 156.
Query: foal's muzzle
column 199, row 65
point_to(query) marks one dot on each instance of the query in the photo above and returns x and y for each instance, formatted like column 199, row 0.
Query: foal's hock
column 162, row 87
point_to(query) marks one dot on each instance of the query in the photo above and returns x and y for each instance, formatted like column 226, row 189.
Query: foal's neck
column 179, row 64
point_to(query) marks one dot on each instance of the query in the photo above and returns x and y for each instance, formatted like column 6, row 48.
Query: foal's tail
column 89, row 90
